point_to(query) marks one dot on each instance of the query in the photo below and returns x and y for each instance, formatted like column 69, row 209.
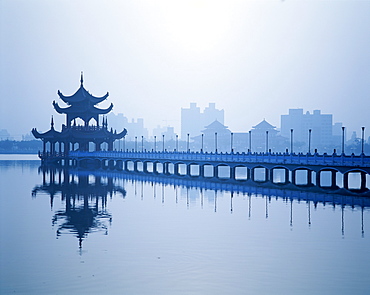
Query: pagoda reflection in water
column 85, row 197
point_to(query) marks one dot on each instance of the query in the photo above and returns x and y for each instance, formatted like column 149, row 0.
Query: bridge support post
column 176, row 169
column 363, row 181
column 165, row 168
column 252, row 174
column 215, row 171
column 155, row 168
column 267, row 175
column 294, row 177
column 271, row 175
column 135, row 166
column 188, row 169
column 286, row 175
column 333, row 179
column 309, row 177
column 232, row 173
column 318, row 178
column 201, row 170
column 345, row 180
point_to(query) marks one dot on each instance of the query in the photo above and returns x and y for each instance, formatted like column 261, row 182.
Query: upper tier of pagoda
column 82, row 105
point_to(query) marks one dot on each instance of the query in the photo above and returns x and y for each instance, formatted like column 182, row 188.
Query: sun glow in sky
column 195, row 25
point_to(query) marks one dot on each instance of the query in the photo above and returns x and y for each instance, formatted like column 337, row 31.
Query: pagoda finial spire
column 52, row 122
column 82, row 78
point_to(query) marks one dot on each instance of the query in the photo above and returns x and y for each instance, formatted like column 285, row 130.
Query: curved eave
column 121, row 134
column 91, row 110
column 59, row 109
column 80, row 95
column 48, row 134
column 95, row 110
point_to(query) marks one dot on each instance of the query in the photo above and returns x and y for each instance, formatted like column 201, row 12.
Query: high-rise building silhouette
column 193, row 120
column 321, row 126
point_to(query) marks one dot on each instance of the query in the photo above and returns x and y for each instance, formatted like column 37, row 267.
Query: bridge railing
column 271, row 158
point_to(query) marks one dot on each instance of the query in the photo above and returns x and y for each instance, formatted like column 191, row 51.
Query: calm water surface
column 89, row 233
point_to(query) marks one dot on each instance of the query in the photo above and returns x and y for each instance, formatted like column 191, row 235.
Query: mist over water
column 87, row 232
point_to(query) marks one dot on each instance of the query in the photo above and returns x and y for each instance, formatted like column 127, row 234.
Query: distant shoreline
column 18, row 157
column 17, row 153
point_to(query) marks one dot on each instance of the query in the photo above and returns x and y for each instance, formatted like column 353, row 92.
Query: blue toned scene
column 184, row 147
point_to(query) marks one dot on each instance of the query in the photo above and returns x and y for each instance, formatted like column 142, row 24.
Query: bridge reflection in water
column 85, row 194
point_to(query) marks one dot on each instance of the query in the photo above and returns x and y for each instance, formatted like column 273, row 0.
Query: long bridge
column 330, row 172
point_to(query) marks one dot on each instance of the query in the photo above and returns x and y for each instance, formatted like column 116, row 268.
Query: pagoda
column 73, row 137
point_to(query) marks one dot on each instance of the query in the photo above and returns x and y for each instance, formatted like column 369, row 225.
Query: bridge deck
column 333, row 160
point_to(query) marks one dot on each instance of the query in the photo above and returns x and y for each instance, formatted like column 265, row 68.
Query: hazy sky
column 254, row 59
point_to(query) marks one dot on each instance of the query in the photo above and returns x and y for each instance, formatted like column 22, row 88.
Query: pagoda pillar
column 52, row 147
column 110, row 145
column 98, row 146
column 66, row 147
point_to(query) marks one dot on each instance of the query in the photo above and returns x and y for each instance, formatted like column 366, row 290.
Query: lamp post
column 291, row 141
column 309, row 141
column 124, row 143
column 177, row 143
column 135, row 143
column 267, row 141
column 142, row 143
column 201, row 150
column 343, row 128
column 231, row 142
column 363, row 137
column 162, row 142
column 155, row 143
column 250, row 140
column 216, row 142
column 187, row 144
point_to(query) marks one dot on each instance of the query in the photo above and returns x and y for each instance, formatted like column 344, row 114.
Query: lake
column 94, row 232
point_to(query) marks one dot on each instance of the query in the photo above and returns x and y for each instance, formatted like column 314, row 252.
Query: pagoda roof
column 81, row 104
column 82, row 108
column 78, row 133
column 82, row 95
column 215, row 125
column 52, row 133
column 264, row 125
